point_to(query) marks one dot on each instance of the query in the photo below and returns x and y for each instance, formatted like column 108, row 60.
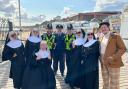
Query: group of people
column 35, row 65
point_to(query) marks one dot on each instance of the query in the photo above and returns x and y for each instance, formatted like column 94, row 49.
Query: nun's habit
column 90, row 68
column 16, row 47
column 32, row 45
column 76, row 64
column 40, row 74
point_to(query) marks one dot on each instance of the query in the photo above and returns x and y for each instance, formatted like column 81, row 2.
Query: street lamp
column 20, row 20
column 19, row 15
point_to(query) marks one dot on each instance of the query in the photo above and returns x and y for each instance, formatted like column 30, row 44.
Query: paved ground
column 7, row 83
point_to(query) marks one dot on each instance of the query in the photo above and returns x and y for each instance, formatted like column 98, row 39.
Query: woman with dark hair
column 89, row 63
column 14, row 51
column 32, row 44
column 76, row 59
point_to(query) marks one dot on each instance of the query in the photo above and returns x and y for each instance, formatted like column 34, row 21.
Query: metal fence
column 5, row 27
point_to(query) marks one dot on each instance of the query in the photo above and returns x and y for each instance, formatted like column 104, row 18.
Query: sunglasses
column 13, row 35
column 78, row 32
column 35, row 31
column 90, row 34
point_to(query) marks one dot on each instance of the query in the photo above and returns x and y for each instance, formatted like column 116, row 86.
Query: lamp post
column 20, row 27
column 19, row 14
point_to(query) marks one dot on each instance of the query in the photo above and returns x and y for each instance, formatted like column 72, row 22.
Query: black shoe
column 62, row 74
column 66, row 81
column 71, row 86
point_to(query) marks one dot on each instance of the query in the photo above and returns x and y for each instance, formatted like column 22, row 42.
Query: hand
column 14, row 55
column 110, row 59
column 82, row 62
column 73, row 45
column 49, row 58
column 38, row 58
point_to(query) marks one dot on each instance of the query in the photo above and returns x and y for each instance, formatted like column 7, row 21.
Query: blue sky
column 55, row 7
column 36, row 11
column 64, row 8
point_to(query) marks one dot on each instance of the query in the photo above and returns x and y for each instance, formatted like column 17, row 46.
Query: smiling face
column 14, row 36
column 79, row 33
column 59, row 31
column 69, row 32
column 49, row 31
column 104, row 29
column 35, row 33
column 43, row 45
column 90, row 35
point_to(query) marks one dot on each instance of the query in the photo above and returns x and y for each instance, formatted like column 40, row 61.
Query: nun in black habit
column 40, row 75
column 76, row 57
column 89, row 63
column 32, row 45
column 14, row 51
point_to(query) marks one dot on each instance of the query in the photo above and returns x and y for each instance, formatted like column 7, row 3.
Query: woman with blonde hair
column 40, row 75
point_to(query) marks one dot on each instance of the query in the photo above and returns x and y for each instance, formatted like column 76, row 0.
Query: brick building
column 90, row 15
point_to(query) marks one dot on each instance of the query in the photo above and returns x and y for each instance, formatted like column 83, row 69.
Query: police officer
column 59, row 51
column 69, row 38
column 49, row 37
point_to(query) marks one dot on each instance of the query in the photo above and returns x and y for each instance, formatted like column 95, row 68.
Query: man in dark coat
column 59, row 51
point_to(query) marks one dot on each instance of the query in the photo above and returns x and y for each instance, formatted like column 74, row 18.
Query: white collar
column 43, row 54
column 107, row 35
column 14, row 43
column 79, row 41
column 81, row 36
column 34, row 39
column 89, row 43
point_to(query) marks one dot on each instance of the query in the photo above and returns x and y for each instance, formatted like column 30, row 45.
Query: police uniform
column 59, row 51
column 69, row 38
column 50, row 39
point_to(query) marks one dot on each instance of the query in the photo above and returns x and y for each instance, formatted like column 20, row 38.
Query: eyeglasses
column 35, row 31
column 90, row 34
column 13, row 35
column 78, row 32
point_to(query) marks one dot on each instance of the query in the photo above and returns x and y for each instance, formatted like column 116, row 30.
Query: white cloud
column 102, row 5
column 9, row 8
column 67, row 12
column 38, row 18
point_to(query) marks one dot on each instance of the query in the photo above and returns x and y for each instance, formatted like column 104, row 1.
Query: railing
column 4, row 28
